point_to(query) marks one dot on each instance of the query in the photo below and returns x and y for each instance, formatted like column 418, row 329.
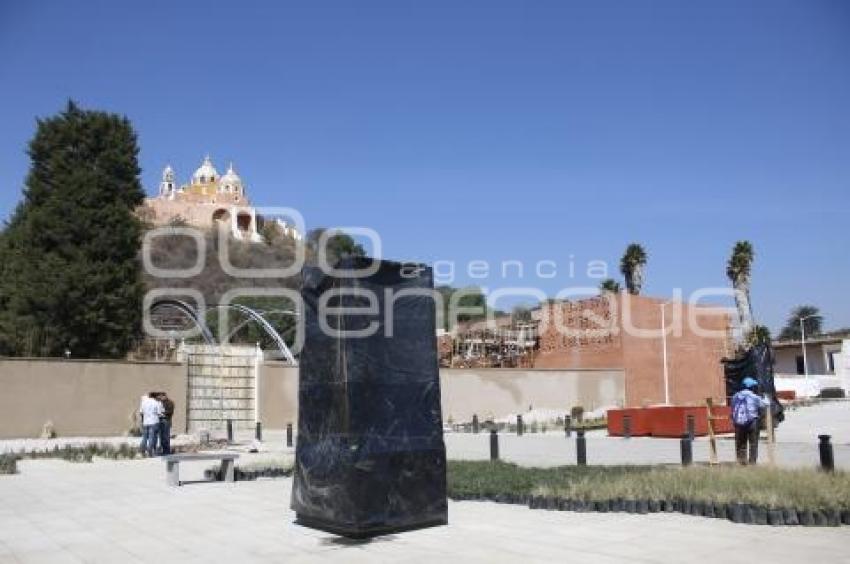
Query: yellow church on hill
column 208, row 200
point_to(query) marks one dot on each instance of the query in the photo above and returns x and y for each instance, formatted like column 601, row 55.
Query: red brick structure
column 623, row 331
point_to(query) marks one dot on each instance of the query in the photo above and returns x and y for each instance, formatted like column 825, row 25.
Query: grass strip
column 804, row 489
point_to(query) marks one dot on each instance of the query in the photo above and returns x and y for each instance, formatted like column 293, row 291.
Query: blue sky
column 486, row 130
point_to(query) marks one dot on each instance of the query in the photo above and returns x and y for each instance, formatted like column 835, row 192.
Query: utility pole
column 803, row 344
column 664, row 354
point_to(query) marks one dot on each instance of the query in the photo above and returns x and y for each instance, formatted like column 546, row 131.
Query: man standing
column 745, row 416
column 150, row 410
column 165, row 423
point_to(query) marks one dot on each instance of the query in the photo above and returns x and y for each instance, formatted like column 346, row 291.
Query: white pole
column 805, row 360
column 664, row 354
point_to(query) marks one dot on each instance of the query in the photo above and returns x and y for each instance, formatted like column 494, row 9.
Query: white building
column 826, row 362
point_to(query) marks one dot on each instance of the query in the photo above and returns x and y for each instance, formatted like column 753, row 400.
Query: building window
column 830, row 362
column 801, row 366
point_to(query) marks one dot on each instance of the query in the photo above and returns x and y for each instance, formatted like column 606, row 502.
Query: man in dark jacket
column 165, row 423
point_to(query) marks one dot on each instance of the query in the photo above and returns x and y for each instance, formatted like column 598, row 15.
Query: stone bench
column 172, row 464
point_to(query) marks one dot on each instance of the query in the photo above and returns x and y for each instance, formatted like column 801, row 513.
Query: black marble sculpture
column 370, row 457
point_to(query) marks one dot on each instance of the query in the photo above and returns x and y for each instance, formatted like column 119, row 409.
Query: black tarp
column 370, row 457
column 756, row 362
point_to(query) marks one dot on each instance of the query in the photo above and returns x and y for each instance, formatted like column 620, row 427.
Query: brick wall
column 604, row 332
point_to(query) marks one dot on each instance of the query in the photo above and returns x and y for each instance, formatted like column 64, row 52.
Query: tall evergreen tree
column 69, row 270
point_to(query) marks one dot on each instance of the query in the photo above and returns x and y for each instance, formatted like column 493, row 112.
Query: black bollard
column 494, row 445
column 258, row 433
column 475, row 423
column 581, row 448
column 230, row 430
column 687, row 450
column 568, row 426
column 691, row 425
column 519, row 425
column 627, row 426
column 289, row 434
column 827, row 460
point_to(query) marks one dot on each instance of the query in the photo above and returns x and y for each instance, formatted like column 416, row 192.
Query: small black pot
column 601, row 506
column 820, row 519
column 698, row 508
column 629, row 505
column 709, row 510
column 775, row 517
column 536, row 502
column 789, row 516
column 845, row 516
column 737, row 512
column 685, row 506
column 654, row 506
column 807, row 517
column 667, row 505
column 759, row 515
column 618, row 505
column 642, row 506
column 833, row 517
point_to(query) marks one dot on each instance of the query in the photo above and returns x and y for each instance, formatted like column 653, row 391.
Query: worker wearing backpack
column 746, row 405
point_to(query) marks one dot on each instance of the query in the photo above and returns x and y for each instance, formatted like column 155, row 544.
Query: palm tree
column 812, row 321
column 610, row 285
column 759, row 335
column 738, row 271
column 631, row 265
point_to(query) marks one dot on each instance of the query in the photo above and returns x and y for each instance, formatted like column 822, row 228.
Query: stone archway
column 243, row 222
column 221, row 215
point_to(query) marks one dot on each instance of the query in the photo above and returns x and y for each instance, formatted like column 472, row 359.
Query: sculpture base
column 365, row 532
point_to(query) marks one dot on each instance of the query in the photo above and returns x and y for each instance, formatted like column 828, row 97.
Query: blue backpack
column 740, row 410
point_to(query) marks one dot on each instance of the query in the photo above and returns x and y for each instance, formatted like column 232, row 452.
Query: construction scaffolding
column 477, row 346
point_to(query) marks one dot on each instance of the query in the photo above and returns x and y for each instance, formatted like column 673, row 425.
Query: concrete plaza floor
column 122, row 511
column 796, row 444
column 109, row 511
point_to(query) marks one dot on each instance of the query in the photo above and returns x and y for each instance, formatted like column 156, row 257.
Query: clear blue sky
column 486, row 130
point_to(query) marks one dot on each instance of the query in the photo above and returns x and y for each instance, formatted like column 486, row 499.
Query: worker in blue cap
column 746, row 407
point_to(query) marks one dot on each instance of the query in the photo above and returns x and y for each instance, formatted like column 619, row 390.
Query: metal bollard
column 289, row 434
column 687, row 450
column 519, row 425
column 475, row 423
column 627, row 426
column 581, row 448
column 690, row 423
column 258, row 433
column 494, row 445
column 568, row 426
column 827, row 460
column 230, row 430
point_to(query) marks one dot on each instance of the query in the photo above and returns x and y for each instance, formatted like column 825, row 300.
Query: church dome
column 230, row 182
column 206, row 172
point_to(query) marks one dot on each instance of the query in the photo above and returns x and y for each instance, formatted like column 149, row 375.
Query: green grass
column 768, row 487
column 8, row 464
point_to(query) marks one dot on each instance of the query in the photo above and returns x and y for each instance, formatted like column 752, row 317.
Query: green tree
column 812, row 321
column 631, row 266
column 610, row 285
column 758, row 335
column 471, row 298
column 69, row 269
column 338, row 246
column 738, row 271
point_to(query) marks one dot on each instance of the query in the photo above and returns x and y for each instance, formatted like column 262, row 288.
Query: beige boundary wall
column 278, row 395
column 497, row 392
column 98, row 397
column 464, row 392
column 82, row 397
